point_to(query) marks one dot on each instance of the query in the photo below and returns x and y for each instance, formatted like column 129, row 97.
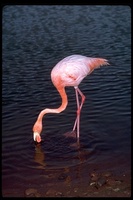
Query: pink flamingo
column 69, row 72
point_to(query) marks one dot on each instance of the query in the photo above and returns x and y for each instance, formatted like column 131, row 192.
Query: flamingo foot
column 71, row 134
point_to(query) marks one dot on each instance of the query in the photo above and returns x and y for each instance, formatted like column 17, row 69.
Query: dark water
column 34, row 39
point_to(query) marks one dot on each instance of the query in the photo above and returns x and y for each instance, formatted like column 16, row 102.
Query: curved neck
column 57, row 110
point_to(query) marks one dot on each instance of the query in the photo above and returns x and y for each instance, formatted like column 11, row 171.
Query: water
column 34, row 39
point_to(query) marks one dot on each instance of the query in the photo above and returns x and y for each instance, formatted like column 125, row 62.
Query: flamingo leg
column 79, row 107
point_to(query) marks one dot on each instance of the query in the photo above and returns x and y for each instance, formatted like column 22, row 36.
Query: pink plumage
column 73, row 69
column 70, row 71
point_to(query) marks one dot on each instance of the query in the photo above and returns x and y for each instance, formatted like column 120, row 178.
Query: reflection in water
column 66, row 175
column 39, row 156
column 72, row 134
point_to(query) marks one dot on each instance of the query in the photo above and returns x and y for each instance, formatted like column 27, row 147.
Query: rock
column 51, row 193
column 92, row 183
column 59, row 194
column 94, row 176
column 37, row 194
column 100, row 182
column 31, row 192
column 116, row 189
column 106, row 174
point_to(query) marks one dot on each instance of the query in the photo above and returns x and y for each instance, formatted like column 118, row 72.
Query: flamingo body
column 70, row 71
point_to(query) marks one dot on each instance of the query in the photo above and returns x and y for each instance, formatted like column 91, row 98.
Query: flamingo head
column 37, row 128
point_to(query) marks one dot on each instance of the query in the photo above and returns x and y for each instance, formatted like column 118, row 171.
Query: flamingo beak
column 36, row 137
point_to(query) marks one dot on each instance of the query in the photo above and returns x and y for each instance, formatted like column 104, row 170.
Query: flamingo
column 70, row 71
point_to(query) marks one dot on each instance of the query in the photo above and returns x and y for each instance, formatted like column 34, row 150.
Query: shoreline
column 95, row 183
